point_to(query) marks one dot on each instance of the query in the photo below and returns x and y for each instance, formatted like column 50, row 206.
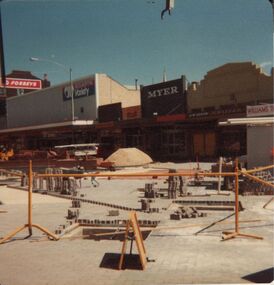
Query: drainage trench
column 105, row 233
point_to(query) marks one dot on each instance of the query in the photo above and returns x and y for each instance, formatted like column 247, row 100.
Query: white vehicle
column 78, row 151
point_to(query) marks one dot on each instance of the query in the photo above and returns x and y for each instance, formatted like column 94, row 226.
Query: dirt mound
column 129, row 157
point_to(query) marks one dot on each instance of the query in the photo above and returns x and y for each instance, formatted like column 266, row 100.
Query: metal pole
column 71, row 94
column 236, row 197
column 220, row 177
column 30, row 199
column 272, row 71
column 2, row 56
column 70, row 79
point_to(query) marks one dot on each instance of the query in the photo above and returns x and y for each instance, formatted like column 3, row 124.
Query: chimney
column 136, row 84
column 164, row 75
column 193, row 86
column 45, row 81
column 184, row 83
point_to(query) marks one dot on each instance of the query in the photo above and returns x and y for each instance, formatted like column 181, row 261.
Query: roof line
column 47, row 126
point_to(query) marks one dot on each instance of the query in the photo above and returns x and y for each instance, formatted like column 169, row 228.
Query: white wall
column 48, row 106
column 259, row 146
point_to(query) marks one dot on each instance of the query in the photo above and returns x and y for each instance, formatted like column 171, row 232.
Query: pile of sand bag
column 129, row 157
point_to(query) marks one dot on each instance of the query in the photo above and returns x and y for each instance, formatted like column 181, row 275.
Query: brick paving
column 176, row 256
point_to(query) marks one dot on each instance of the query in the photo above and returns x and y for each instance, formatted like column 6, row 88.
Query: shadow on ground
column 111, row 261
column 264, row 276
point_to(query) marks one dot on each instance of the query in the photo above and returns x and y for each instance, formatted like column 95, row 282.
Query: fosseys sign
column 80, row 89
column 21, row 83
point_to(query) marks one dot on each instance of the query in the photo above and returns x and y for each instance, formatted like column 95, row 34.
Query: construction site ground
column 175, row 253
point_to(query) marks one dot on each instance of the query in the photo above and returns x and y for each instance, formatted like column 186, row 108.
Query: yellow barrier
column 257, row 179
column 259, row 169
column 29, row 225
column 227, row 235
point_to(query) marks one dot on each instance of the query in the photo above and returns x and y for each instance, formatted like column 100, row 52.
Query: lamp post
column 70, row 79
column 272, row 3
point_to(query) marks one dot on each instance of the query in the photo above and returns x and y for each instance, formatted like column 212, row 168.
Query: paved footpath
column 176, row 256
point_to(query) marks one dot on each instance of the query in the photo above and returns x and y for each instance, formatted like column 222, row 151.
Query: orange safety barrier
column 227, row 235
column 29, row 225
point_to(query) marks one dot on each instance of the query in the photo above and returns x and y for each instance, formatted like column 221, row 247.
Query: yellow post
column 30, row 198
column 230, row 235
column 29, row 225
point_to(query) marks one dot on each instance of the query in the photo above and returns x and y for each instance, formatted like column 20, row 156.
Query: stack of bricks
column 172, row 185
column 150, row 191
column 185, row 213
column 49, row 180
column 115, row 223
column 58, row 180
column 145, row 206
column 76, row 204
column 73, row 214
column 61, row 229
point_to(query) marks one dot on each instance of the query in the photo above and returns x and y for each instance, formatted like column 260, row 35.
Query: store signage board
column 80, row 89
column 20, row 83
column 260, row 110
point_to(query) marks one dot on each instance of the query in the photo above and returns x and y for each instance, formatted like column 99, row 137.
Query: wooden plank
column 124, row 246
column 133, row 223
column 139, row 239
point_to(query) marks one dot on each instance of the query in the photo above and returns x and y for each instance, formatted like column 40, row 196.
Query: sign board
column 260, row 110
column 110, row 112
column 165, row 98
column 171, row 118
column 80, row 89
column 133, row 223
column 130, row 113
column 20, row 83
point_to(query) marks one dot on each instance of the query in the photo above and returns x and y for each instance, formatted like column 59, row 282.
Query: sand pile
column 129, row 157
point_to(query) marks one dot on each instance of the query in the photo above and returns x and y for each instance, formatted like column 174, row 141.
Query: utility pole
column 2, row 57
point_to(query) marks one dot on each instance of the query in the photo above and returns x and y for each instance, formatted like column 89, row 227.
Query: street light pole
column 272, row 70
column 71, row 94
column 70, row 79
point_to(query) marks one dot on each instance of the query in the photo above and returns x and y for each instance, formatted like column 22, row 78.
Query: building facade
column 231, row 86
column 18, row 82
column 169, row 120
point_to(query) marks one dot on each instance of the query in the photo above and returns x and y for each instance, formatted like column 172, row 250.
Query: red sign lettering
column 19, row 83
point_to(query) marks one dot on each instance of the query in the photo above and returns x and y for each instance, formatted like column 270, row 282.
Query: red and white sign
column 19, row 83
column 260, row 110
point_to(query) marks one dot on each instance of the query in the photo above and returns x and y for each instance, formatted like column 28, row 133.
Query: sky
column 127, row 39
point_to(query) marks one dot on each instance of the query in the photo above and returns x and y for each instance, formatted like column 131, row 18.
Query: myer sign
column 163, row 92
column 172, row 87
column 80, row 89
column 165, row 98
